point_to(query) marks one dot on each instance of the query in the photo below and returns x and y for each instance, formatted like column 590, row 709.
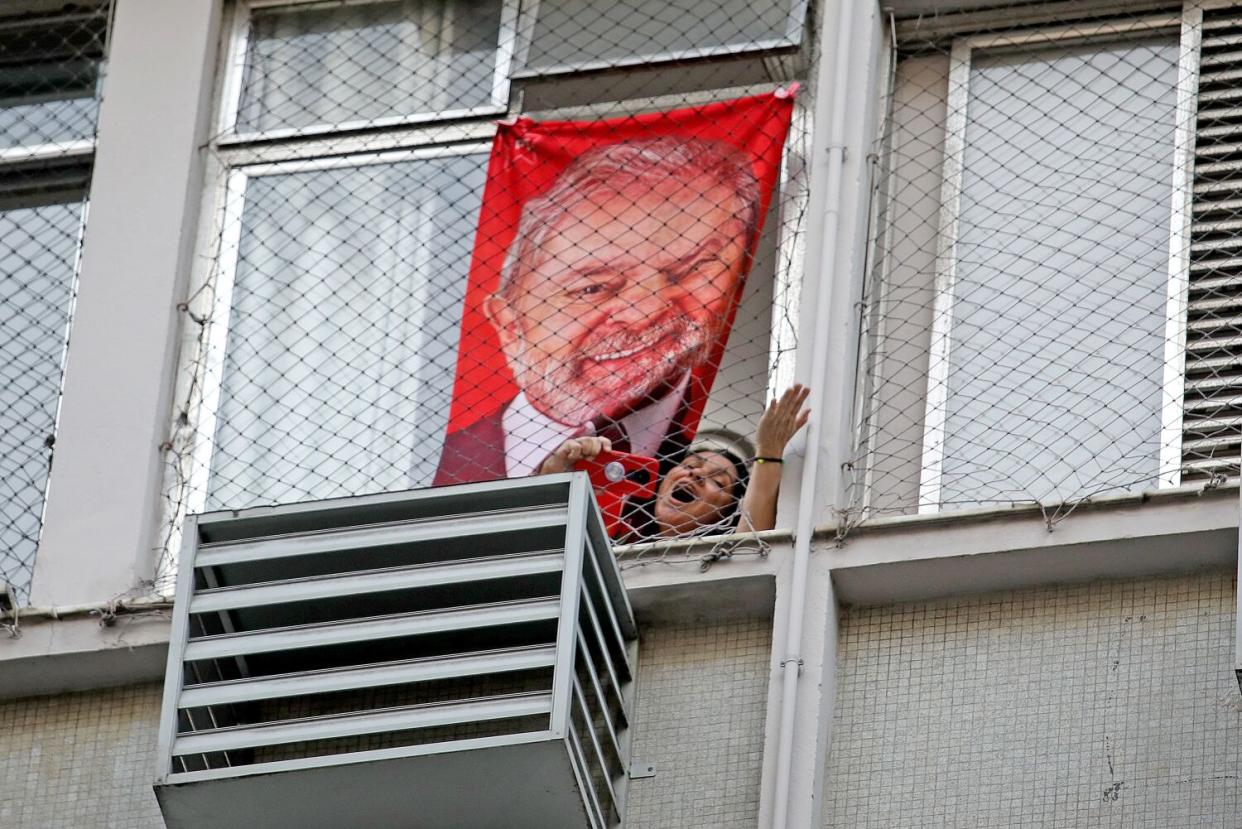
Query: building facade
column 1002, row 253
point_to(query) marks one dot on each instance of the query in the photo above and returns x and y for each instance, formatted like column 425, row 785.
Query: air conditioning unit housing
column 453, row 657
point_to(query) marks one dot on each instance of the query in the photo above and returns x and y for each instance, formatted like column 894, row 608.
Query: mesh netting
column 1051, row 282
column 50, row 66
column 347, row 283
column 1049, row 314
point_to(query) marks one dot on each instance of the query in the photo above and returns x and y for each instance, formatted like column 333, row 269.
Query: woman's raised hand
column 781, row 421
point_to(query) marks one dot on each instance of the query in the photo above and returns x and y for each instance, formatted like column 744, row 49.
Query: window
column 1026, row 309
column 312, row 67
column 49, row 78
column 343, row 318
column 49, row 74
column 348, row 173
column 569, row 35
column 1054, row 268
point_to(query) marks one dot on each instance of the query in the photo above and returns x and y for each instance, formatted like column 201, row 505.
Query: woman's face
column 695, row 493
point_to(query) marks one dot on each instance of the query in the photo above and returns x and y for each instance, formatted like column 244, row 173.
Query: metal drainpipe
column 831, row 148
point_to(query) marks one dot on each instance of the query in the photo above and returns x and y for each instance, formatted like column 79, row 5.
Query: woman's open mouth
column 682, row 494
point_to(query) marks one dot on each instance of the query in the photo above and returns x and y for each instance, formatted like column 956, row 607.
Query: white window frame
column 238, row 45
column 936, row 399
column 795, row 22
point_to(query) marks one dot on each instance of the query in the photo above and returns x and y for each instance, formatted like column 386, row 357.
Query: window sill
column 918, row 557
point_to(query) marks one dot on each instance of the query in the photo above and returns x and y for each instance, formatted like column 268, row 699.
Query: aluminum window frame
column 956, row 122
column 795, row 24
column 237, row 45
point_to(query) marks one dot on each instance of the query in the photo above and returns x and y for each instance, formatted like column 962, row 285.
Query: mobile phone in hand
column 616, row 476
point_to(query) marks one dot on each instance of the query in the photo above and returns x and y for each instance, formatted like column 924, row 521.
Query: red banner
column 608, row 264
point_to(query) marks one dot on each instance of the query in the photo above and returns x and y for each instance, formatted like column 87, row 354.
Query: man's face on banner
column 629, row 292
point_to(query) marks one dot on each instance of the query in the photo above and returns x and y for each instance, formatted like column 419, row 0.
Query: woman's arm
column 780, row 421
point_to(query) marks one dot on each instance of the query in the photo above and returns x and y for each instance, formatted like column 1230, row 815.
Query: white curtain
column 343, row 330
column 367, row 61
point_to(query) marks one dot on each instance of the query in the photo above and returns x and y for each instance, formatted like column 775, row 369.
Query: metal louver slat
column 1219, row 22
column 1217, row 186
column 369, row 676
column 1222, row 149
column 1212, row 443
column 1211, row 323
column 1199, row 306
column 1209, row 364
column 1219, row 166
column 376, row 581
column 1209, row 383
column 1221, row 59
column 366, row 630
column 214, row 555
column 1214, row 283
column 1215, row 344
column 1211, row 266
column 1222, row 95
column 1212, row 465
column 1214, row 405
column 1218, row 131
column 352, row 725
column 1208, row 206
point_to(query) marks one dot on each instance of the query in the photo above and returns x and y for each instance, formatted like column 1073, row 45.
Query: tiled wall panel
column 1112, row 704
column 80, row 761
column 701, row 701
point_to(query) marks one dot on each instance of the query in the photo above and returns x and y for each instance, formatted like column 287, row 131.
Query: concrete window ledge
column 911, row 558
column 76, row 651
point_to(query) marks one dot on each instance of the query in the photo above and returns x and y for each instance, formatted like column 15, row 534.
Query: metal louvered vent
column 1212, row 419
column 461, row 656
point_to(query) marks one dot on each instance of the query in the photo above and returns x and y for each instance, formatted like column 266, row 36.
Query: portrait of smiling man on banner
column 611, row 305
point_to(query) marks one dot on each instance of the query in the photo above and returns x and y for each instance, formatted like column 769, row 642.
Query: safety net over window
column 447, row 236
column 1051, row 311
column 50, row 68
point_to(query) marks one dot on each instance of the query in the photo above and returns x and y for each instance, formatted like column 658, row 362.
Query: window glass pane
column 37, row 259
column 1056, row 354
column 49, row 73
column 343, row 332
column 355, row 62
column 570, row 32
